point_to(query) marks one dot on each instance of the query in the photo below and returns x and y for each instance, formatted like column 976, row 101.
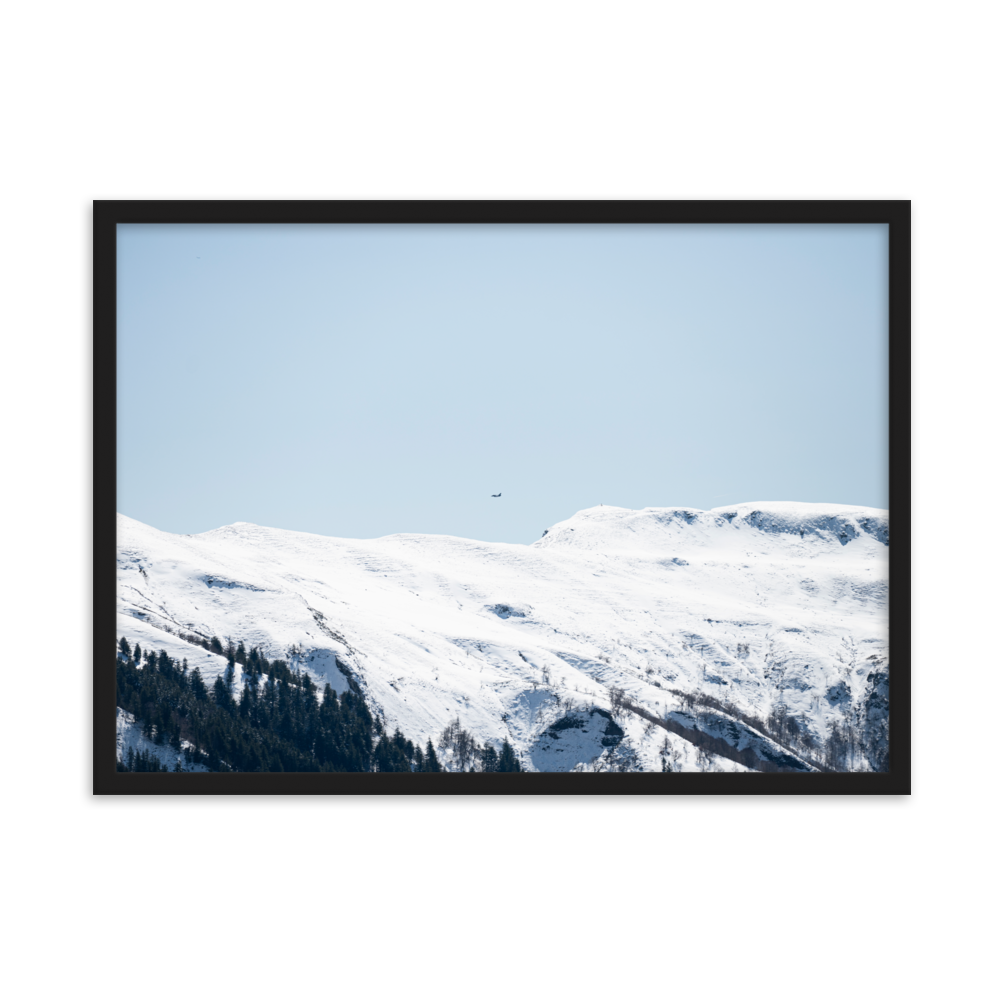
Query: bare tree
column 669, row 757
column 465, row 748
column 460, row 742
column 835, row 748
column 618, row 700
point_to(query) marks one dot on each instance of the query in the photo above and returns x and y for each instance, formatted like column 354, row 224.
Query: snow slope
column 758, row 605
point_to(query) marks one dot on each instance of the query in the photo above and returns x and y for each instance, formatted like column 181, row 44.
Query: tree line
column 276, row 721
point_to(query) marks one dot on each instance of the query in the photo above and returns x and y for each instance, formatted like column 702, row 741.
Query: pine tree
column 285, row 727
column 390, row 753
column 431, row 762
column 508, row 761
column 221, row 695
column 123, row 646
column 198, row 688
column 380, row 756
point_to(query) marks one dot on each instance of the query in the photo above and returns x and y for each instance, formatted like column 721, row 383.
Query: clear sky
column 364, row 380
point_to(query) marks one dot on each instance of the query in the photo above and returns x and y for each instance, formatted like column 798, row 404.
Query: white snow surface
column 755, row 604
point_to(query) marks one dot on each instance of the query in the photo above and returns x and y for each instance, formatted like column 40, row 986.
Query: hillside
column 752, row 636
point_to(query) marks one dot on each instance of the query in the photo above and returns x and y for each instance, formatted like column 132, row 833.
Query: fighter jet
column 494, row 494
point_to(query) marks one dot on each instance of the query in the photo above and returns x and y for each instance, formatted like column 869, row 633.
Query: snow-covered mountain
column 745, row 637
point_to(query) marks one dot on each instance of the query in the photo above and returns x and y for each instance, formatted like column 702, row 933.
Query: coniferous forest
column 277, row 721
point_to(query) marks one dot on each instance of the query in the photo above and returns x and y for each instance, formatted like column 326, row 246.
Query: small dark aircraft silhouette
column 494, row 494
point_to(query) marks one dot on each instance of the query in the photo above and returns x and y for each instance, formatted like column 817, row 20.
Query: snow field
column 757, row 604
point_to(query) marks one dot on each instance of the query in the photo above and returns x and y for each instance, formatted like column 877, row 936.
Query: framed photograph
column 547, row 497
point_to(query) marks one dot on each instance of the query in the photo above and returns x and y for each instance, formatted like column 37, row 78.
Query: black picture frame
column 109, row 214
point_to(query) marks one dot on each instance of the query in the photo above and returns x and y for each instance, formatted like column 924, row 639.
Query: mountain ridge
column 781, row 607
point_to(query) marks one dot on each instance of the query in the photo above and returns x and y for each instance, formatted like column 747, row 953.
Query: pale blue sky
column 364, row 380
